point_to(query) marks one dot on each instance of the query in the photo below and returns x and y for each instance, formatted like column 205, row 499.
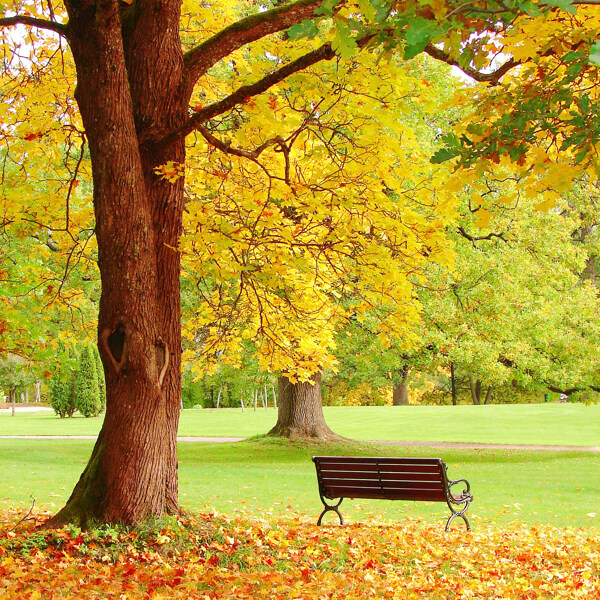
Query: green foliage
column 595, row 54
column 62, row 399
column 87, row 391
column 14, row 374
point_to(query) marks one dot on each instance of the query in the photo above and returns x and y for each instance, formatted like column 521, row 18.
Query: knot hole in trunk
column 115, row 345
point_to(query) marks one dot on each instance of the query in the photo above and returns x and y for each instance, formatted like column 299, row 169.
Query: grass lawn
column 271, row 477
column 551, row 424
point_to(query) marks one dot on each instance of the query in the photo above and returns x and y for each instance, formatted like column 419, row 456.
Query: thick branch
column 227, row 149
column 202, row 57
column 553, row 388
column 567, row 391
column 474, row 239
column 493, row 77
column 325, row 52
column 34, row 22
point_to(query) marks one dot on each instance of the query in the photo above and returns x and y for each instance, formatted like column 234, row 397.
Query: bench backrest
column 384, row 478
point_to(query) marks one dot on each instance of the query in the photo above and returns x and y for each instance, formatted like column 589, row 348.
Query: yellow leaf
column 483, row 218
column 546, row 205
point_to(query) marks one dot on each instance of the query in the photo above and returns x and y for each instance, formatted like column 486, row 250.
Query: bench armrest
column 466, row 493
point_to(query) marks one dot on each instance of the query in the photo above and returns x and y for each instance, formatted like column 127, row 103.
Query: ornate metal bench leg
column 458, row 513
column 453, row 516
column 334, row 508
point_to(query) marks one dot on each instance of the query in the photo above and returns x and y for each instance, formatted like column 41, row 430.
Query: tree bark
column 128, row 92
column 400, row 393
column 300, row 411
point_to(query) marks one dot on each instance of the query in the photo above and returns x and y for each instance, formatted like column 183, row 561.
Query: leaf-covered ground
column 209, row 556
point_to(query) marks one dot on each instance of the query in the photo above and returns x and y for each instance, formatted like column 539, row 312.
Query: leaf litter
column 207, row 556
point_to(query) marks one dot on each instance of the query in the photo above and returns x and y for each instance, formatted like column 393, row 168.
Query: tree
column 62, row 395
column 134, row 85
column 515, row 307
column 300, row 410
column 15, row 374
column 142, row 87
column 335, row 222
column 87, row 390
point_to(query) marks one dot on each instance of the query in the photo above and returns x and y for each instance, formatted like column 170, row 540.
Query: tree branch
column 198, row 60
column 493, row 77
column 227, row 149
column 474, row 239
column 325, row 52
column 34, row 22
column 553, row 388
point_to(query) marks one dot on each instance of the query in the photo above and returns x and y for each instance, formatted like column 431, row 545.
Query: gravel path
column 441, row 445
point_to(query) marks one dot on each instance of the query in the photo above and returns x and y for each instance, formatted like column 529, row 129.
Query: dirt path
column 93, row 437
column 441, row 445
column 475, row 446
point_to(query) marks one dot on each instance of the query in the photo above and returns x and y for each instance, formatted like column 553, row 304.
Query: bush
column 62, row 399
column 87, row 391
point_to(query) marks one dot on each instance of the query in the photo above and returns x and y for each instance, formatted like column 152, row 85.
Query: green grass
column 548, row 424
column 272, row 477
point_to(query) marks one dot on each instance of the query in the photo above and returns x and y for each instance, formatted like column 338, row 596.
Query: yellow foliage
column 341, row 394
column 336, row 215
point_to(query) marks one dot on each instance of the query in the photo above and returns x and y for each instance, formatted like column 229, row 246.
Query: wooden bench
column 389, row 479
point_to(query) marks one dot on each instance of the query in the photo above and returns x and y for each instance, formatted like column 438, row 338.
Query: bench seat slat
column 376, row 483
column 375, row 476
column 386, row 494
column 374, row 468
column 378, row 459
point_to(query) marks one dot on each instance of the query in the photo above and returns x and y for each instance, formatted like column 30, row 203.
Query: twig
column 27, row 516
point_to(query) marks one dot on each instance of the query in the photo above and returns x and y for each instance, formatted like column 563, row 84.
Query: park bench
column 389, row 478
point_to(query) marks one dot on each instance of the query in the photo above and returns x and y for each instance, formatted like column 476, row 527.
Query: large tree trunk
column 400, row 393
column 300, row 411
column 126, row 97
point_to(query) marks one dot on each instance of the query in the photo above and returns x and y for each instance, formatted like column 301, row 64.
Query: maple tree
column 128, row 84
column 340, row 218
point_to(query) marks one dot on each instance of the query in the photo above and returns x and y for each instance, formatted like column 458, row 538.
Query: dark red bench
column 389, row 478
